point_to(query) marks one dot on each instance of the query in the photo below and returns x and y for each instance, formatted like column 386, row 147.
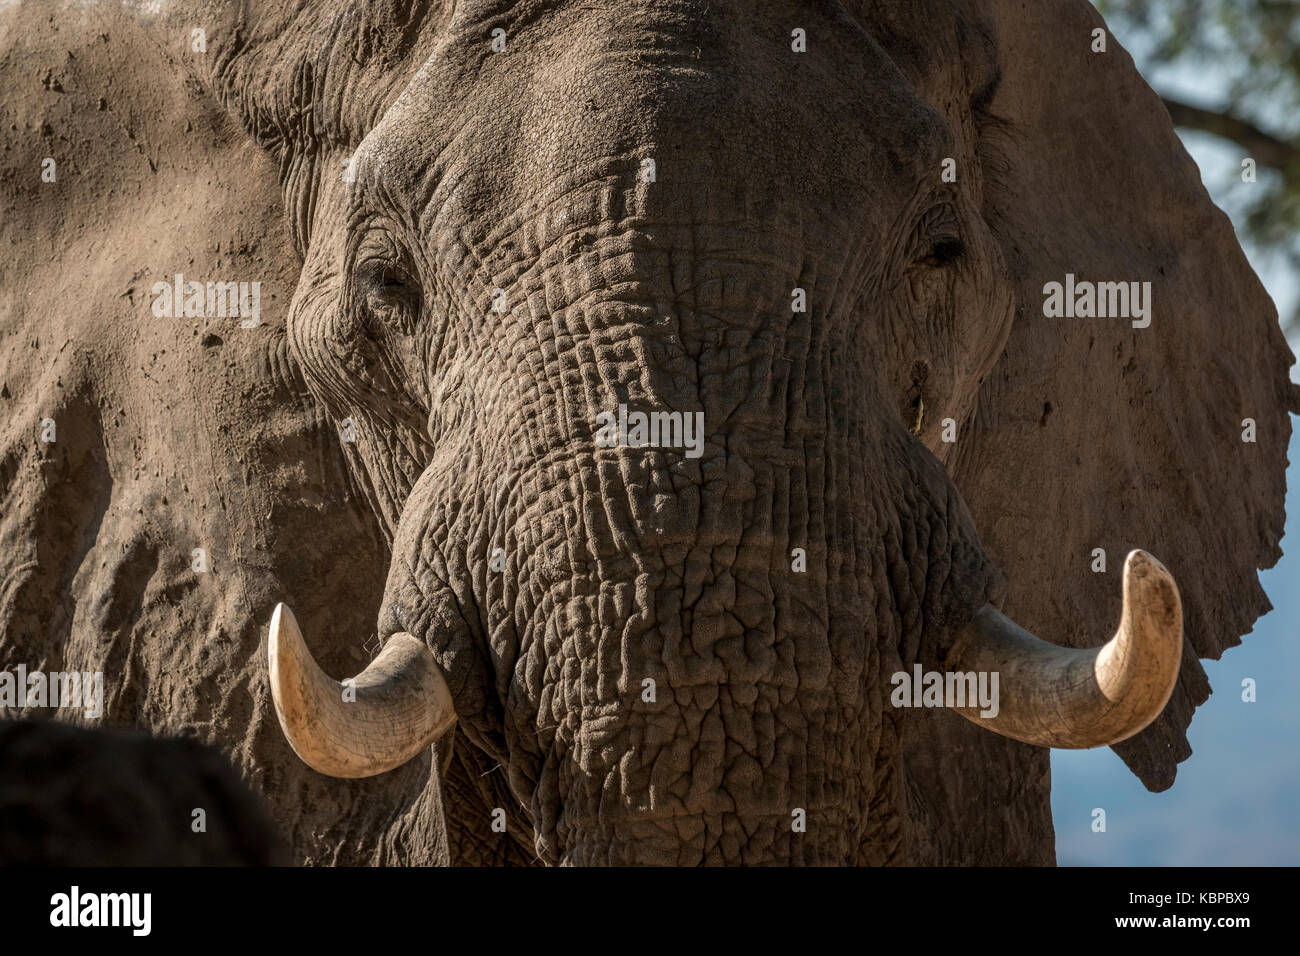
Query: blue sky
column 1237, row 798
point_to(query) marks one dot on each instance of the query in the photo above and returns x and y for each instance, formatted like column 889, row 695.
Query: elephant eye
column 945, row 250
column 390, row 282
column 389, row 293
column 385, row 280
column 936, row 237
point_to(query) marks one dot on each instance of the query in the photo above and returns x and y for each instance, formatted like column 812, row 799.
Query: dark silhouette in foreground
column 70, row 796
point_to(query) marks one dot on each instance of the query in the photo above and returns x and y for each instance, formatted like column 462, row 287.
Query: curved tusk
column 1061, row 697
column 402, row 704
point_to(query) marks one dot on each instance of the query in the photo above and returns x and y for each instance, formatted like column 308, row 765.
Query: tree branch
column 1265, row 149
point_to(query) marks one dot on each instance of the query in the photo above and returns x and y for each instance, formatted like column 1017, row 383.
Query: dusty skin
column 473, row 171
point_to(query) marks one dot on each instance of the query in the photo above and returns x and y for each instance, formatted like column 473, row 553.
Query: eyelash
column 385, row 290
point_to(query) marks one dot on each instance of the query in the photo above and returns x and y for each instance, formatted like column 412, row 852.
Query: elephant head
column 812, row 246
column 570, row 214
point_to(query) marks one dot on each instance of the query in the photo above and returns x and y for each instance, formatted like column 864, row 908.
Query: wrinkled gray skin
column 474, row 171
column 476, row 427
column 518, row 171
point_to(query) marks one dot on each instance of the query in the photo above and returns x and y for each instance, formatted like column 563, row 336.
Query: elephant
column 821, row 249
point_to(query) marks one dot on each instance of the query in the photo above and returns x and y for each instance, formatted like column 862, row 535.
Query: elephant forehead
column 577, row 93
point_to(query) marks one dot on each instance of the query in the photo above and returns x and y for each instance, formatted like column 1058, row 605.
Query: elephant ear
column 1090, row 433
column 165, row 481
column 1096, row 434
